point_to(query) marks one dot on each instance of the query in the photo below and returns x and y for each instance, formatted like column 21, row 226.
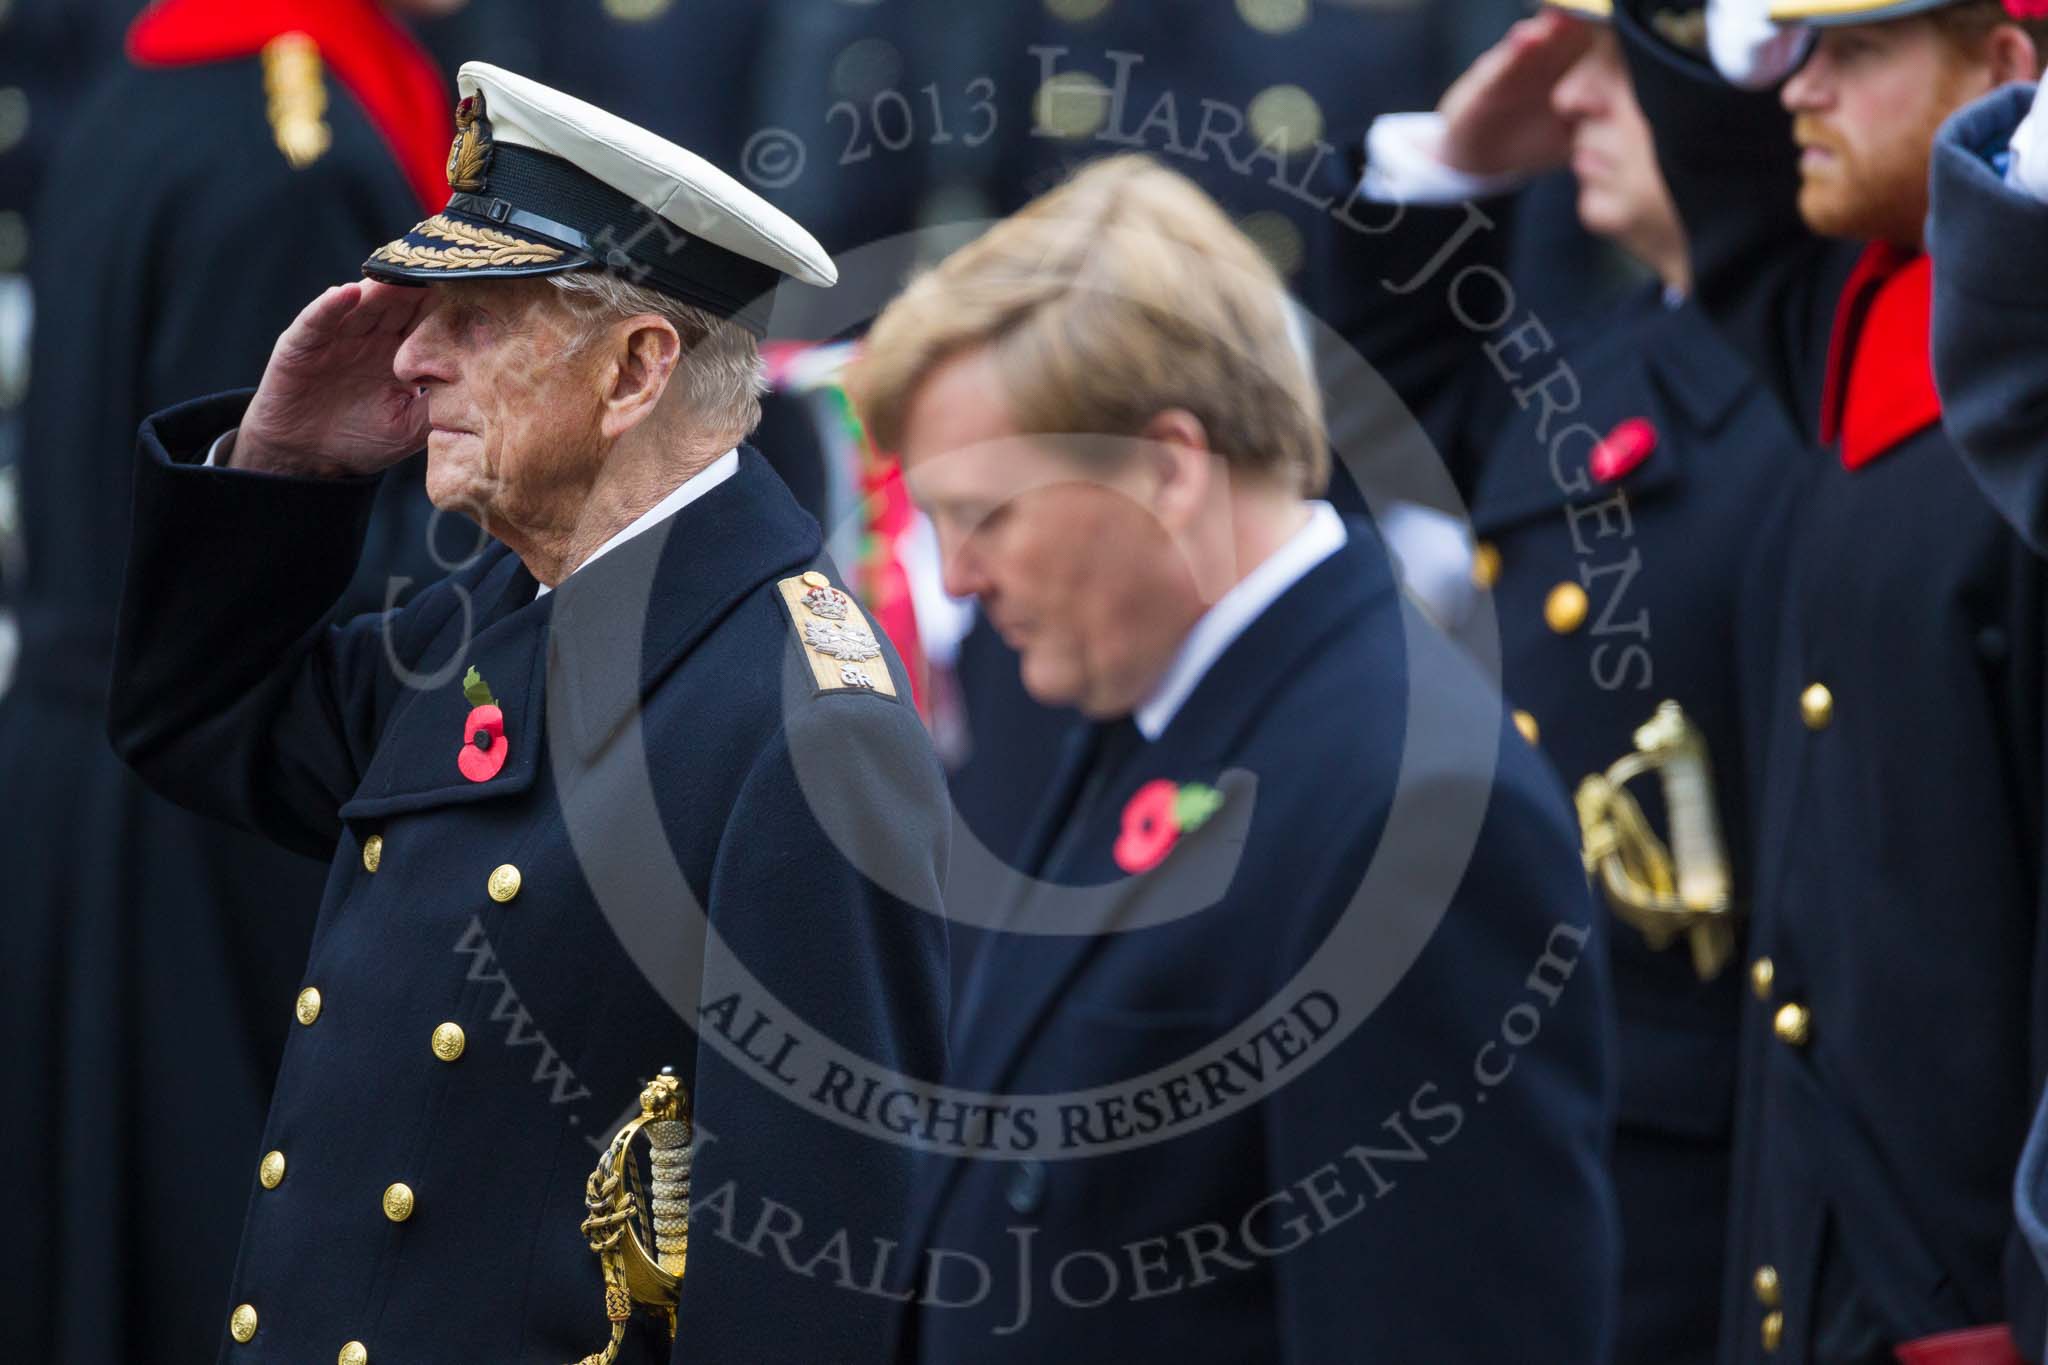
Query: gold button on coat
column 1762, row 973
column 1793, row 1024
column 448, row 1041
column 1564, row 611
column 1765, row 1282
column 1485, row 564
column 398, row 1202
column 242, row 1322
column 271, row 1170
column 1817, row 706
column 308, row 1008
column 1773, row 1329
column 504, row 883
column 814, row 579
column 1526, row 723
column 354, row 1353
column 373, row 852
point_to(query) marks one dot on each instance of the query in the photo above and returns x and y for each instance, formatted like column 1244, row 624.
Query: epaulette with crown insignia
column 841, row 647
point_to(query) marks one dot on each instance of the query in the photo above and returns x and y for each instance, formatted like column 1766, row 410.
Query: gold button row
column 242, row 1327
column 1768, row 1293
column 1485, row 564
column 1793, row 1024
column 1762, row 973
column 1564, row 610
column 503, row 883
column 448, row 1041
column 1817, row 706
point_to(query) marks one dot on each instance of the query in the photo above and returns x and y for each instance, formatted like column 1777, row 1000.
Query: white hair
column 721, row 370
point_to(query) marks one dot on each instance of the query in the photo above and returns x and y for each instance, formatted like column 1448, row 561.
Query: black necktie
column 1115, row 743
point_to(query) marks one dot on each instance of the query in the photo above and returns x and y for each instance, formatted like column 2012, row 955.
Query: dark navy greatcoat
column 1991, row 358
column 1426, row 1189
column 1991, row 311
column 1612, row 597
column 145, row 975
column 1894, row 1037
column 1609, row 596
column 661, row 714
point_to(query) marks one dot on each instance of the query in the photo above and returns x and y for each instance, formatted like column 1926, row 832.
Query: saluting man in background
column 1615, row 463
column 648, row 696
column 1899, row 800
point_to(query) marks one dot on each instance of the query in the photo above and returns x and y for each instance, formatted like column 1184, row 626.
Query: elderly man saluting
column 640, row 759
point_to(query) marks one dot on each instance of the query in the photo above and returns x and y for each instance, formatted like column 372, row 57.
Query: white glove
column 2028, row 171
column 1751, row 50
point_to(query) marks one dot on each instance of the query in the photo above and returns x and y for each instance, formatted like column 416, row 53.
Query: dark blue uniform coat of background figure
column 231, row 695
column 1514, row 408
column 1489, row 1234
column 1991, row 310
column 1991, row 358
column 1661, row 554
column 1898, row 826
column 146, row 956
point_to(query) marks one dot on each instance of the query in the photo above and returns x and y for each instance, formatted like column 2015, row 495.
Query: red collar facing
column 1880, row 383
column 381, row 64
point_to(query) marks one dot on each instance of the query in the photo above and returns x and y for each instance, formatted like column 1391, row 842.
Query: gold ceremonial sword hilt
column 1664, row 892
column 623, row 1223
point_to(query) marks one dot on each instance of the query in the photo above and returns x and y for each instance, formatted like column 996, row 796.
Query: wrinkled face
column 1069, row 565
column 512, row 405
column 1867, row 106
column 1621, row 190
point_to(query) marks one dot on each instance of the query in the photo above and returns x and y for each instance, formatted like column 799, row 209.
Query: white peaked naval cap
column 544, row 182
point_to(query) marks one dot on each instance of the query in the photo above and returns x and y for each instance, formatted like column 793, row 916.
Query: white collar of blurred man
column 1870, row 98
column 1101, row 408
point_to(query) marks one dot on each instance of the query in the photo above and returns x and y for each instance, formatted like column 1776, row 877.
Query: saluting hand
column 329, row 404
column 1497, row 116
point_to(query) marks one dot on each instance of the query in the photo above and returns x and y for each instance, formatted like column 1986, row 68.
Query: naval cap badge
column 469, row 156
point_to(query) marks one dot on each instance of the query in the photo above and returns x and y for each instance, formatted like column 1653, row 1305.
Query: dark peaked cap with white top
column 544, row 182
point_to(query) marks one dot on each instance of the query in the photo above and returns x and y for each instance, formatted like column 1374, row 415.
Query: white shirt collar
column 1322, row 536
column 685, row 493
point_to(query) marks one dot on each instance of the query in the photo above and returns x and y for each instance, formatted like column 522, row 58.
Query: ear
column 2010, row 53
column 1182, row 466
column 645, row 351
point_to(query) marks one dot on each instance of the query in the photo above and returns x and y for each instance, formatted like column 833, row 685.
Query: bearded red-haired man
column 1898, row 886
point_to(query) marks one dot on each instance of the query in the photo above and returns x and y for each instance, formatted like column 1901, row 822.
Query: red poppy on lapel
column 1155, row 817
column 484, row 747
column 1626, row 447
